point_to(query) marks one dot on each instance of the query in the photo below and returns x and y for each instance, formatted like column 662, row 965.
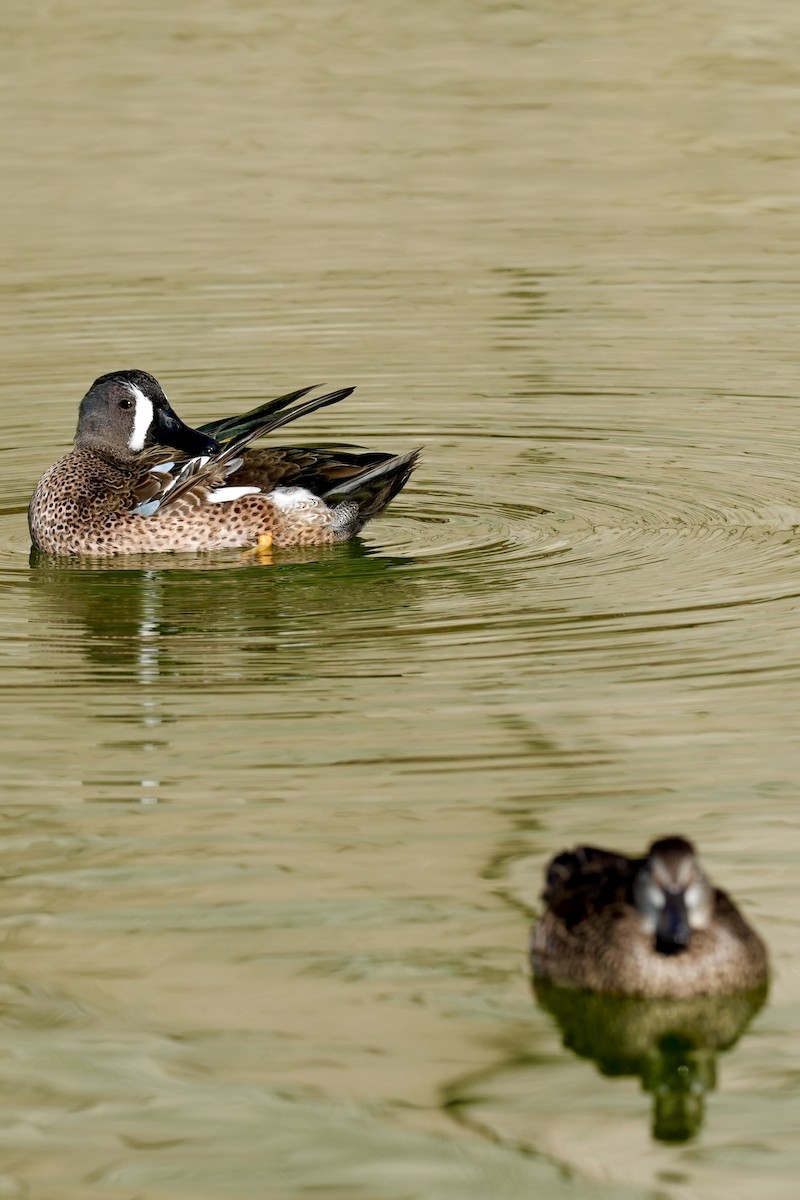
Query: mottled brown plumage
column 651, row 926
column 121, row 491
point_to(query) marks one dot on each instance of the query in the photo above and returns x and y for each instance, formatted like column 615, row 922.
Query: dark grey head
column 672, row 894
column 126, row 412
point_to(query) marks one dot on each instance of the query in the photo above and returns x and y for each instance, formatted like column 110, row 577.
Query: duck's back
column 316, row 468
column 587, row 881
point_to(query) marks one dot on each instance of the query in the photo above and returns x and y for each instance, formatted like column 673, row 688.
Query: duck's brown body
column 111, row 495
column 592, row 935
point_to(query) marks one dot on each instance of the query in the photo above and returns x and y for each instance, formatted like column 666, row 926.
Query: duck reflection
column 221, row 617
column 672, row 1045
column 169, row 635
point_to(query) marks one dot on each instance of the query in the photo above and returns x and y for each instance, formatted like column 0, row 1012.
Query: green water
column 272, row 835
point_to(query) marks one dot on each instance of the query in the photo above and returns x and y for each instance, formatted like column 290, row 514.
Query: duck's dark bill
column 169, row 430
column 673, row 931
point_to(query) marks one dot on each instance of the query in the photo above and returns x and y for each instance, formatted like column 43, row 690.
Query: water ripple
column 554, row 546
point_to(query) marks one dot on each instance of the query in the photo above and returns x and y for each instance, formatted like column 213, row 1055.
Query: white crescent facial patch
column 142, row 417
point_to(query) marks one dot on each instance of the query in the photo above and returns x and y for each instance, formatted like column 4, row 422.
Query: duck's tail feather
column 362, row 497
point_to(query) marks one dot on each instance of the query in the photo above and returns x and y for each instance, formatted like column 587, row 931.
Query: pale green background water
column 271, row 835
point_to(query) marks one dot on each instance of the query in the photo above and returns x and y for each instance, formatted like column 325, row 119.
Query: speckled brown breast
column 610, row 952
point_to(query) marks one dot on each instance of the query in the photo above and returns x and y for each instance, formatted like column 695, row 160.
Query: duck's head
column 672, row 894
column 126, row 412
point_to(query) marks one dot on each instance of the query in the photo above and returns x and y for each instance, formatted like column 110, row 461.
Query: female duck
column 652, row 926
column 119, row 491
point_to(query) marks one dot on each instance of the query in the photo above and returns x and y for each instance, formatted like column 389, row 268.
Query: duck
column 652, row 927
column 123, row 489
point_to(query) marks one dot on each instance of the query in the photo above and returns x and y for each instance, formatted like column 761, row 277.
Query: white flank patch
column 294, row 497
column 223, row 494
column 142, row 419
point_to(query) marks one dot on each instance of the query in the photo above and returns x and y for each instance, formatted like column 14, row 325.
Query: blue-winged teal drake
column 120, row 491
column 652, row 926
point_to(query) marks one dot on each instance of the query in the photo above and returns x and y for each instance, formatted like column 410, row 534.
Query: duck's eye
column 127, row 403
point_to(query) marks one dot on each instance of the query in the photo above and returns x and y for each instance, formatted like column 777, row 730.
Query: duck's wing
column 225, row 428
column 587, row 880
column 204, row 479
column 193, row 478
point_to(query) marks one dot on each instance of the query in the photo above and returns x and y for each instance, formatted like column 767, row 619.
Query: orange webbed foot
column 261, row 552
